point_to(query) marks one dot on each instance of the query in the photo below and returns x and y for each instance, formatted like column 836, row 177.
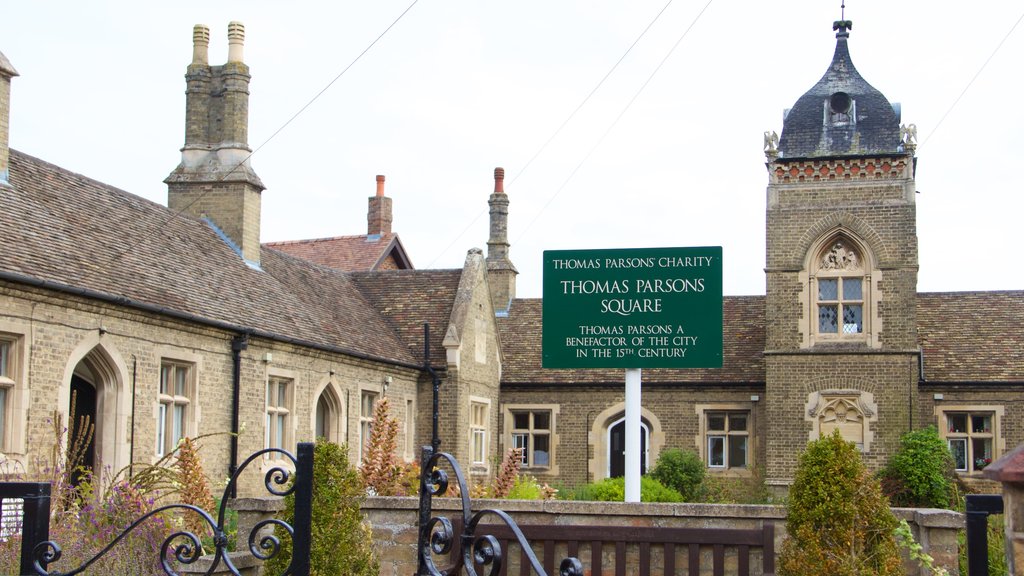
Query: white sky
column 459, row 87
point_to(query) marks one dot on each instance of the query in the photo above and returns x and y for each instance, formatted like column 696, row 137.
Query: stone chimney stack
column 6, row 73
column 214, row 180
column 378, row 217
column 501, row 273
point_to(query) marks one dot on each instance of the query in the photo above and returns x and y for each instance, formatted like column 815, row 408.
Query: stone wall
column 58, row 334
column 395, row 533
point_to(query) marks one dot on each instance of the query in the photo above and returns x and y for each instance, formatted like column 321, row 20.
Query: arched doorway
column 81, row 438
column 95, row 387
column 617, row 447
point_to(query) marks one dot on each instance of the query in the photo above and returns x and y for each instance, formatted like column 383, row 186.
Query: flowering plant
column 980, row 463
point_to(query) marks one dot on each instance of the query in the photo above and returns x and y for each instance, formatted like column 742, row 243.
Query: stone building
column 842, row 340
column 163, row 322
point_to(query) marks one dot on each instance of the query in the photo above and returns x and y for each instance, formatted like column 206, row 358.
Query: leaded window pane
column 716, row 451
column 716, row 421
column 737, row 422
column 958, row 447
column 542, row 420
column 180, row 380
column 957, row 423
column 161, row 427
column 828, row 318
column 541, row 449
column 522, row 442
column 5, row 359
column 737, row 451
column 3, row 414
column 853, row 319
column 828, row 289
column 981, row 423
column 178, row 425
column 165, row 379
column 852, row 289
column 521, row 420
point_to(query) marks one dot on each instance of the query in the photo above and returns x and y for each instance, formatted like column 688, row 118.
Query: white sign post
column 633, row 435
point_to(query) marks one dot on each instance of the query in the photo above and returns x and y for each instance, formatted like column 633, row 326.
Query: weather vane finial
column 843, row 25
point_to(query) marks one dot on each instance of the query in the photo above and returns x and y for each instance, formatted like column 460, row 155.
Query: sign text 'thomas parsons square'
column 633, row 308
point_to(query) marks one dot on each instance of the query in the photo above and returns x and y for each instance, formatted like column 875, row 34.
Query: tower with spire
column 841, row 348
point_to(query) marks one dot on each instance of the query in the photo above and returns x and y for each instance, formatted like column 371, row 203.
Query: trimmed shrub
column 614, row 490
column 681, row 470
column 920, row 473
column 341, row 544
column 838, row 522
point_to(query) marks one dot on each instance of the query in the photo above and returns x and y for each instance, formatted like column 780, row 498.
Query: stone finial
column 380, row 185
column 499, row 180
column 200, row 44
column 236, row 38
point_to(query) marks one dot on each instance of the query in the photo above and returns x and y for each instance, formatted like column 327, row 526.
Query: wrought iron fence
column 479, row 551
column 978, row 509
column 39, row 553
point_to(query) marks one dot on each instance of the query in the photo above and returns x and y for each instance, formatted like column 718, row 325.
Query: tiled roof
column 347, row 253
column 79, row 233
column 742, row 347
column 972, row 337
column 408, row 299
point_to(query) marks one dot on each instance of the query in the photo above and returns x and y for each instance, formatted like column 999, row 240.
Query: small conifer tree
column 839, row 522
column 342, row 543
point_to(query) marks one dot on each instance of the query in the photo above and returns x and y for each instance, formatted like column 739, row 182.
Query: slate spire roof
column 841, row 115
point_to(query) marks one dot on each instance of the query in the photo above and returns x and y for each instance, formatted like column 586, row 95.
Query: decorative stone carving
column 848, row 411
column 839, row 257
column 771, row 145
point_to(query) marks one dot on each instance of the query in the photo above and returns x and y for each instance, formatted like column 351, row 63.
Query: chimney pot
column 380, row 185
column 499, row 180
column 200, row 44
column 236, row 39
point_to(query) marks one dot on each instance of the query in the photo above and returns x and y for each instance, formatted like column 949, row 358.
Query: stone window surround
column 863, row 401
column 997, row 411
column 169, row 400
column 411, row 450
column 16, row 383
column 288, row 376
column 507, row 427
column 701, row 442
column 872, row 293
column 331, row 390
column 193, row 416
column 484, row 466
column 597, row 438
column 365, row 421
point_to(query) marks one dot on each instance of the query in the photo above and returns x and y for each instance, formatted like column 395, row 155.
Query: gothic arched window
column 839, row 289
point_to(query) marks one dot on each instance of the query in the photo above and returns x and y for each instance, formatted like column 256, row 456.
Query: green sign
column 633, row 308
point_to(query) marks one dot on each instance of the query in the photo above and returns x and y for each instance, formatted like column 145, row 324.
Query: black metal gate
column 38, row 553
column 979, row 507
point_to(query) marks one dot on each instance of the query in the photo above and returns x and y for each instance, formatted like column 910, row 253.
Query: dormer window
column 840, row 110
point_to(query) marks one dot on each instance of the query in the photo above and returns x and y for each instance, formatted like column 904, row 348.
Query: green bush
column 681, row 470
column 341, row 543
column 920, row 473
column 838, row 521
column 614, row 490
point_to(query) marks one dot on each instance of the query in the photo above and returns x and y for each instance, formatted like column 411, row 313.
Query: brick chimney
column 6, row 73
column 378, row 216
column 501, row 273
column 214, row 180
